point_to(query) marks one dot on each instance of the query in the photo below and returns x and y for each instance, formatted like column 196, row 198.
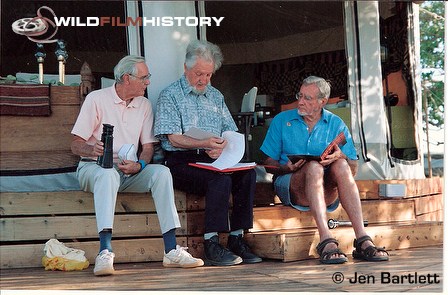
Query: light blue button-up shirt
column 288, row 135
column 179, row 109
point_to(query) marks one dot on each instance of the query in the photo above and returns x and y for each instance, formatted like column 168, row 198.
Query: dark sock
column 106, row 239
column 169, row 239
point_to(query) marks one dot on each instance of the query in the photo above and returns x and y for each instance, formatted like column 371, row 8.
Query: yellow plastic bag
column 59, row 263
column 60, row 257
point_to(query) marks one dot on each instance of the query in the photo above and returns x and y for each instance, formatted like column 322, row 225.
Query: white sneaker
column 179, row 257
column 104, row 263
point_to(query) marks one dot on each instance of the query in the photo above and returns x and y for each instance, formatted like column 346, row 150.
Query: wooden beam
column 79, row 227
column 76, row 202
column 374, row 211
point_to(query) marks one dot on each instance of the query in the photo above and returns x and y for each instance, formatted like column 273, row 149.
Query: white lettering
column 62, row 21
column 167, row 21
column 191, row 21
column 79, row 23
column 93, row 21
column 179, row 20
column 205, row 21
column 151, row 21
column 218, row 20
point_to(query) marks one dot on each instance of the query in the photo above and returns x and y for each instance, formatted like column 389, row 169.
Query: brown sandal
column 325, row 256
column 369, row 253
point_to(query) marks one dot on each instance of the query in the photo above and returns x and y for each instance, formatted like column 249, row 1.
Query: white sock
column 237, row 232
column 207, row 236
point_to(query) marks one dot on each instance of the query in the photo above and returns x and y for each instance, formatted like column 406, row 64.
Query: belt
column 189, row 152
column 87, row 160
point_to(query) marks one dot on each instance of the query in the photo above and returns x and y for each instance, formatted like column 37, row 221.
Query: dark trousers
column 217, row 188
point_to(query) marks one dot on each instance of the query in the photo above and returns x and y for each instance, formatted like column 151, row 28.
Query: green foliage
column 432, row 56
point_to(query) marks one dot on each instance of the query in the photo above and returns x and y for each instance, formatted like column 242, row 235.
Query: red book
column 237, row 167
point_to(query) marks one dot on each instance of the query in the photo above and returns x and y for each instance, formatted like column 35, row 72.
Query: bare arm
column 80, row 147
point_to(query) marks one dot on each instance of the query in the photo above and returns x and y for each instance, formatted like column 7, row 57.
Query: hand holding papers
column 232, row 153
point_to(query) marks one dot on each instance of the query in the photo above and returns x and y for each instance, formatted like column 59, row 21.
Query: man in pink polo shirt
column 124, row 107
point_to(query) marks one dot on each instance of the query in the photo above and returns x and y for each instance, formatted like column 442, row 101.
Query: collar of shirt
column 188, row 89
column 135, row 103
column 324, row 116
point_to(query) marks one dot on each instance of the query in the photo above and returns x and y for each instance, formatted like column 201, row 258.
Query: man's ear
column 125, row 78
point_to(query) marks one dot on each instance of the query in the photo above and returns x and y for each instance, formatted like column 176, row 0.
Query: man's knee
column 340, row 168
column 110, row 175
column 314, row 169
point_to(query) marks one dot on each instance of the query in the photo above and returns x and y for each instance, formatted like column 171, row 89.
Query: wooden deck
column 267, row 276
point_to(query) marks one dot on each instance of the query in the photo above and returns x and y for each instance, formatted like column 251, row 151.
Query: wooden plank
column 78, row 227
column 368, row 189
column 301, row 244
column 76, row 202
column 38, row 133
column 432, row 216
column 307, row 276
column 194, row 202
column 195, row 223
column 130, row 250
column 35, row 160
column 65, row 95
column 428, row 204
column 374, row 211
column 422, row 187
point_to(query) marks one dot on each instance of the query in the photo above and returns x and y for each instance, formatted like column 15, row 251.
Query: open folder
column 231, row 155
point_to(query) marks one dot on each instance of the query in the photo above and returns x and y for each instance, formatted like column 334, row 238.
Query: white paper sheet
column 233, row 152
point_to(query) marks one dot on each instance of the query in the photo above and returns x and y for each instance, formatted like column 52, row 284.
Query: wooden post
column 87, row 80
column 40, row 56
column 425, row 105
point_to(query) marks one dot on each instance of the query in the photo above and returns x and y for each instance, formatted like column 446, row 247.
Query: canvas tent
column 359, row 36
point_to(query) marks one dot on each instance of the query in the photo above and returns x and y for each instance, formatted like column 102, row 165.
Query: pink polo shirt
column 132, row 123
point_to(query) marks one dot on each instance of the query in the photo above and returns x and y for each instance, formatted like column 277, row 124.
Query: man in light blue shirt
column 193, row 102
column 318, row 185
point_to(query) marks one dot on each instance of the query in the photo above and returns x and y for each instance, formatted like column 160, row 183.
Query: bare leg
column 341, row 174
column 310, row 180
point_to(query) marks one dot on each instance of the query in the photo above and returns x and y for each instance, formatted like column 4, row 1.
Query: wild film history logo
column 41, row 29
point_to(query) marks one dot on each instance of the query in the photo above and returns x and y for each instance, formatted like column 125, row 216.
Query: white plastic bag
column 60, row 257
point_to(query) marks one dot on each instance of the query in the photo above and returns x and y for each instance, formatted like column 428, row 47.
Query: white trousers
column 106, row 183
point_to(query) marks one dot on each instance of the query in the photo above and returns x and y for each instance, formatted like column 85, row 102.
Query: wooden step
column 425, row 208
column 369, row 189
column 77, row 202
column 81, row 227
column 126, row 250
column 292, row 245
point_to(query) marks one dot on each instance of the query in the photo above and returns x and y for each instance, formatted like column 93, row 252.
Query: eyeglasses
column 305, row 97
column 144, row 78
